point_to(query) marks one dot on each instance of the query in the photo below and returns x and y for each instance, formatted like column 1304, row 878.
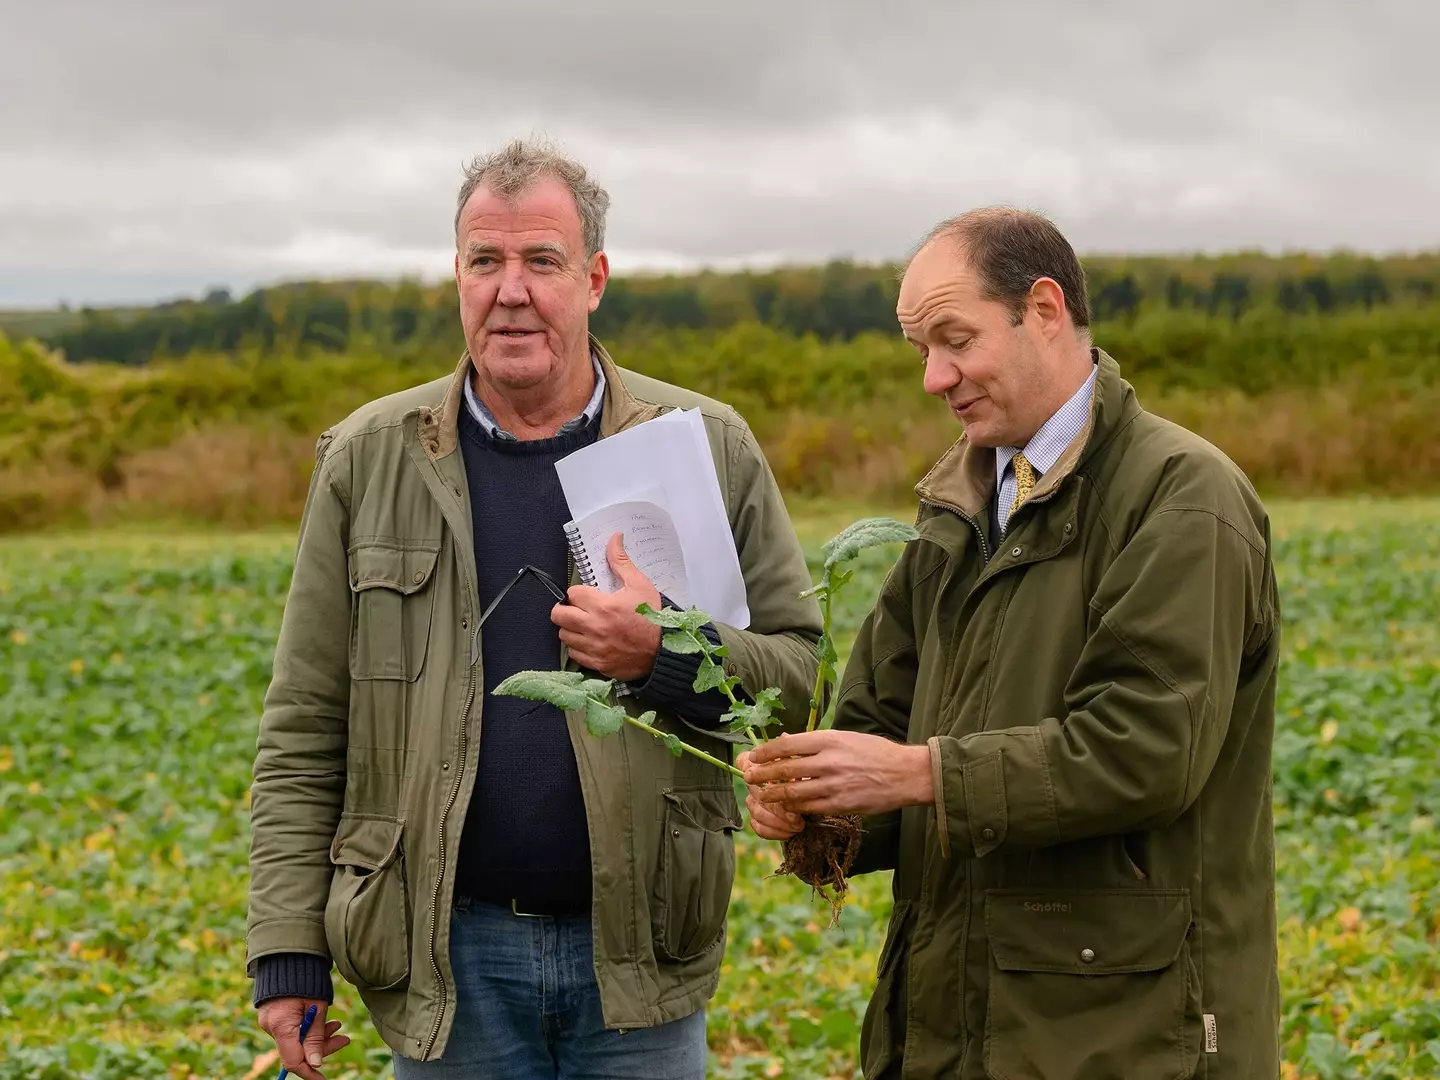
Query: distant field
column 132, row 667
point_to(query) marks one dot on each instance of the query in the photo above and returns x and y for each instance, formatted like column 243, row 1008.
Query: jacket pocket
column 1091, row 984
column 390, row 617
column 882, row 1034
column 367, row 918
column 696, row 872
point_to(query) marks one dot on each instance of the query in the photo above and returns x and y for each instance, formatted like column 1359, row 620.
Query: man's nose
column 940, row 376
column 513, row 292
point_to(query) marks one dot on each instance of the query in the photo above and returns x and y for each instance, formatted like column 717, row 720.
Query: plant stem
column 706, row 648
column 686, row 747
column 819, row 692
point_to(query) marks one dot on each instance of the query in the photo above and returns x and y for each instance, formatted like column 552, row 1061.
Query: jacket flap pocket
column 708, row 808
column 368, row 843
column 1086, row 931
column 391, row 565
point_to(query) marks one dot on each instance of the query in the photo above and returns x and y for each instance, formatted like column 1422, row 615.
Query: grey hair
column 520, row 166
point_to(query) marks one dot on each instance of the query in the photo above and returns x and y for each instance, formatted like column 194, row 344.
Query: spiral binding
column 579, row 554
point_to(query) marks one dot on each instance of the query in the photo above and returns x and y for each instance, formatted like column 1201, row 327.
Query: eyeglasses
column 544, row 578
column 621, row 690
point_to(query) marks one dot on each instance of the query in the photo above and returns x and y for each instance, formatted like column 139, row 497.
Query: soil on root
column 821, row 855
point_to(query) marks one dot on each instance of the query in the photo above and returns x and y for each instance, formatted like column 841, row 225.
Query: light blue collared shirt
column 487, row 422
column 1045, row 448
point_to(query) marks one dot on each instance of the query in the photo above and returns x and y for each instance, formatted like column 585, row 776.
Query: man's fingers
column 569, row 617
column 771, row 822
column 743, row 761
column 624, row 568
column 797, row 797
column 335, row 1044
column 783, row 771
column 315, row 1040
column 799, row 745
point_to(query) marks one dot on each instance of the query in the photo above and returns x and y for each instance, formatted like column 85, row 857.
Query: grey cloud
column 159, row 140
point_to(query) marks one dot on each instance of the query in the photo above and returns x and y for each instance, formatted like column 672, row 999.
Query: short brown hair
column 1010, row 250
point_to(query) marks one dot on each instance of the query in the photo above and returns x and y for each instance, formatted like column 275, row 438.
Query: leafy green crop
column 131, row 676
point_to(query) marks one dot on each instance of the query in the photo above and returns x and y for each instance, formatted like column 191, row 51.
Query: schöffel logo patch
column 1212, row 1040
column 1047, row 906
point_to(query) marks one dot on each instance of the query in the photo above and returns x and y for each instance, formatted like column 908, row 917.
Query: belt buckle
column 515, row 909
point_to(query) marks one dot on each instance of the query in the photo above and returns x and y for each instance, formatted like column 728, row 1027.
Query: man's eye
column 544, row 260
column 958, row 346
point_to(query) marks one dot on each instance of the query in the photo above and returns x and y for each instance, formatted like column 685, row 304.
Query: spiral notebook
column 650, row 540
column 656, row 483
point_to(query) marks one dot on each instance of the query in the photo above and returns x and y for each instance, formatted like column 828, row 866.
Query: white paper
column 671, row 453
column 650, row 540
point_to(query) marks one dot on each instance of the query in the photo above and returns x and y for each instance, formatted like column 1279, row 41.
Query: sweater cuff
column 301, row 975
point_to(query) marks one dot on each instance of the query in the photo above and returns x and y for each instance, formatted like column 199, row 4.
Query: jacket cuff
column 299, row 975
column 971, row 809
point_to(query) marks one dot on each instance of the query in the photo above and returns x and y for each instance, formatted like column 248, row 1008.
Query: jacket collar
column 439, row 425
column 964, row 478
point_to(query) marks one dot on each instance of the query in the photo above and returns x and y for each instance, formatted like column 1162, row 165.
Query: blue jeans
column 529, row 1009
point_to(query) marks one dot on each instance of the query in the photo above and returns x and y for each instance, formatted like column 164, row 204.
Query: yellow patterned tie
column 1024, row 481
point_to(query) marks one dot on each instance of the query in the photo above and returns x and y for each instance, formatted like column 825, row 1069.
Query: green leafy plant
column 822, row 853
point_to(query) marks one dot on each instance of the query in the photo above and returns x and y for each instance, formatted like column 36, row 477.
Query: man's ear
column 599, row 275
column 1047, row 302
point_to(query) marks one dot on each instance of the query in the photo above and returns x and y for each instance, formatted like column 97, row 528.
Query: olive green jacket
column 371, row 726
column 1092, row 895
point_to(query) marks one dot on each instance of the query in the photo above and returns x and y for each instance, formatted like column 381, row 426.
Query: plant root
column 821, row 855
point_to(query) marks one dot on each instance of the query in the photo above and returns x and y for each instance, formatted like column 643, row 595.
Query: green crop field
column 131, row 673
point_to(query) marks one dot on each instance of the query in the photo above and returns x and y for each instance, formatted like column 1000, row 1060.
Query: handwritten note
column 650, row 540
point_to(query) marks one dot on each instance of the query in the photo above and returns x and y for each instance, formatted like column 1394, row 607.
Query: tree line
column 834, row 302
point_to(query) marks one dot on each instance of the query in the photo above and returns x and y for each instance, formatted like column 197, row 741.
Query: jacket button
column 419, row 576
column 675, row 832
column 445, row 766
column 1016, row 551
column 1087, row 955
column 1069, row 527
column 987, row 834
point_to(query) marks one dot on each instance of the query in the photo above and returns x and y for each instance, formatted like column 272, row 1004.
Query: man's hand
column 280, row 1019
column 769, row 822
column 838, row 772
column 603, row 631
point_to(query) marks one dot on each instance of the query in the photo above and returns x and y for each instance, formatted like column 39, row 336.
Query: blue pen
column 304, row 1030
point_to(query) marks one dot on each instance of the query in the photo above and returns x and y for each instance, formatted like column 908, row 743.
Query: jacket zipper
column 440, row 862
column 979, row 532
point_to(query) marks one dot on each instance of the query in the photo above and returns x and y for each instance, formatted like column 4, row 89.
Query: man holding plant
column 513, row 899
column 1057, row 720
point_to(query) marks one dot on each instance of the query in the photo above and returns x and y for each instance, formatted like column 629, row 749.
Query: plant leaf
column 678, row 641
column 673, row 743
column 759, row 715
column 672, row 619
column 825, row 650
column 602, row 719
column 866, row 533
column 563, row 689
column 710, row 676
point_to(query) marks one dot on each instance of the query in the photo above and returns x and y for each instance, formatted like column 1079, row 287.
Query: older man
column 512, row 898
column 1059, row 714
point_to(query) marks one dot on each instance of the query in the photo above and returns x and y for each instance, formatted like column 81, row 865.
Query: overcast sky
column 149, row 148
